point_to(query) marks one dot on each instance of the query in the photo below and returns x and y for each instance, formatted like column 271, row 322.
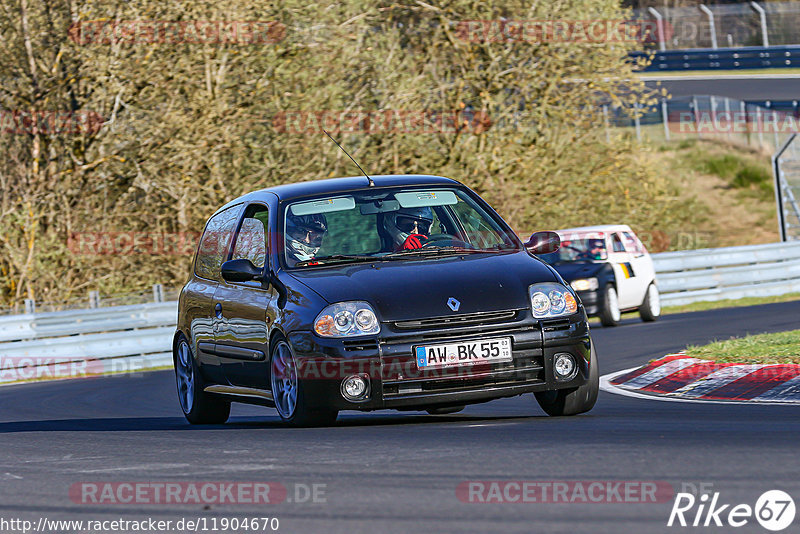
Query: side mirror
column 543, row 243
column 241, row 270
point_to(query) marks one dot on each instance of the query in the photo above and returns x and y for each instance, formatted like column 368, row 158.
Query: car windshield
column 390, row 225
column 578, row 248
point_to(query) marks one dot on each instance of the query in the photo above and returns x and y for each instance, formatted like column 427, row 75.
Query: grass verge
column 782, row 347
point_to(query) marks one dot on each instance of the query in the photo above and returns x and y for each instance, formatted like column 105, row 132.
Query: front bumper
column 396, row 383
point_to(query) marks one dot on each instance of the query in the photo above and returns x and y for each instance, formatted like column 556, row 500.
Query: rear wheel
column 287, row 390
column 199, row 407
column 609, row 313
column 574, row 400
column 651, row 307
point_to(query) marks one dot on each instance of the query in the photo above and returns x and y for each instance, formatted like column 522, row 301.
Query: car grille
column 457, row 320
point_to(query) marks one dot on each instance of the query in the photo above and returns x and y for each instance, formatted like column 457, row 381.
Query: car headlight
column 585, row 284
column 551, row 300
column 346, row 319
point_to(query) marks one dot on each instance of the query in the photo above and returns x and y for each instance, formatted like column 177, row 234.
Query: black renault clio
column 391, row 292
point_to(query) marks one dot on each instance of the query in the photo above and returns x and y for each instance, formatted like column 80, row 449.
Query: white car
column 610, row 269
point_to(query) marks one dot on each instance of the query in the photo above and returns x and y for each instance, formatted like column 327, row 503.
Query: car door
column 242, row 323
column 624, row 273
column 198, row 295
column 641, row 262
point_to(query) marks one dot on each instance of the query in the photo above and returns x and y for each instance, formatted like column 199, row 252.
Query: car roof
column 339, row 185
column 602, row 228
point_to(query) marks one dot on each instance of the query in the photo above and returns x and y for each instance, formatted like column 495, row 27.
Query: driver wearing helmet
column 409, row 228
column 304, row 235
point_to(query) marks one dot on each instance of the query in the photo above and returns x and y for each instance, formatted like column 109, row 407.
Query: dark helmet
column 596, row 243
column 304, row 234
column 406, row 221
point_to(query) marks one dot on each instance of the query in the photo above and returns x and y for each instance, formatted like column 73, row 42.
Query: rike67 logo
column 774, row 510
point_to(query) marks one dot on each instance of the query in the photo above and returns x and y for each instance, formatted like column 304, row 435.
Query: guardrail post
column 743, row 107
column 637, row 125
column 711, row 26
column 94, row 299
column 665, row 118
column 731, row 122
column 30, row 306
column 696, row 112
column 762, row 15
column 158, row 293
column 759, row 125
column 605, row 119
column 662, row 37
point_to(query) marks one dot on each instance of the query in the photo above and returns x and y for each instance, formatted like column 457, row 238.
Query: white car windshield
column 390, row 224
column 578, row 248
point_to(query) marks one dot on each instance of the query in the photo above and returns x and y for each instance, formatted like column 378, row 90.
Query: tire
column 287, row 390
column 609, row 313
column 650, row 310
column 561, row 402
column 199, row 407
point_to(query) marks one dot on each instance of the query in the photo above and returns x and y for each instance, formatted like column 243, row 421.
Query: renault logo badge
column 453, row 304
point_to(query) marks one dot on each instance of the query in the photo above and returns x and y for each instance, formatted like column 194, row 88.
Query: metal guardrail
column 750, row 57
column 138, row 337
column 727, row 273
column 77, row 343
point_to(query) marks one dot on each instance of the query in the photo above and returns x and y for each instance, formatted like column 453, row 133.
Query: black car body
column 247, row 332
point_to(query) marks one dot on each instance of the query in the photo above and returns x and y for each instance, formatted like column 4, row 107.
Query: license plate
column 464, row 353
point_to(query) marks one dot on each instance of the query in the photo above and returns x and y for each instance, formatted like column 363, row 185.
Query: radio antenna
column 371, row 183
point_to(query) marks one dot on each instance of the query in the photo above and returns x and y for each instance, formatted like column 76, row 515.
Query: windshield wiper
column 435, row 251
column 336, row 258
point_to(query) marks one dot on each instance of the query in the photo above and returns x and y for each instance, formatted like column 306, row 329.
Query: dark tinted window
column 215, row 243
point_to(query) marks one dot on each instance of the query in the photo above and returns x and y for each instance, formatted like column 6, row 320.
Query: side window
column 479, row 232
column 251, row 242
column 616, row 243
column 632, row 244
column 215, row 243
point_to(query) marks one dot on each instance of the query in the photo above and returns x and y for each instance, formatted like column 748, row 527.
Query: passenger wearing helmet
column 304, row 235
column 594, row 250
column 409, row 228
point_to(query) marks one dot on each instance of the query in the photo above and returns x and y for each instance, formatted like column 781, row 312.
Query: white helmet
column 304, row 234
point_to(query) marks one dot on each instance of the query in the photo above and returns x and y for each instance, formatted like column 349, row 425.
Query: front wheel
column 609, row 313
column 650, row 309
column 287, row 390
column 574, row 400
column 199, row 407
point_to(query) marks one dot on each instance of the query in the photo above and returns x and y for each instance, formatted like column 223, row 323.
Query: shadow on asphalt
column 138, row 424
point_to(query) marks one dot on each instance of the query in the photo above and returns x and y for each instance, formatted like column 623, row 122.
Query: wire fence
column 786, row 164
column 762, row 127
column 96, row 299
column 726, row 25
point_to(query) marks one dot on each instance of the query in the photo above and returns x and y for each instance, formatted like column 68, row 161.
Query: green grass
column 782, row 347
column 746, row 174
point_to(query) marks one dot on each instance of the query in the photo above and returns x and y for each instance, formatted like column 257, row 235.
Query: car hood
column 413, row 289
column 577, row 270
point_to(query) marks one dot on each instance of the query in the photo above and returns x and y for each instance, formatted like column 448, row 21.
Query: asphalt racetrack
column 741, row 86
column 398, row 472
